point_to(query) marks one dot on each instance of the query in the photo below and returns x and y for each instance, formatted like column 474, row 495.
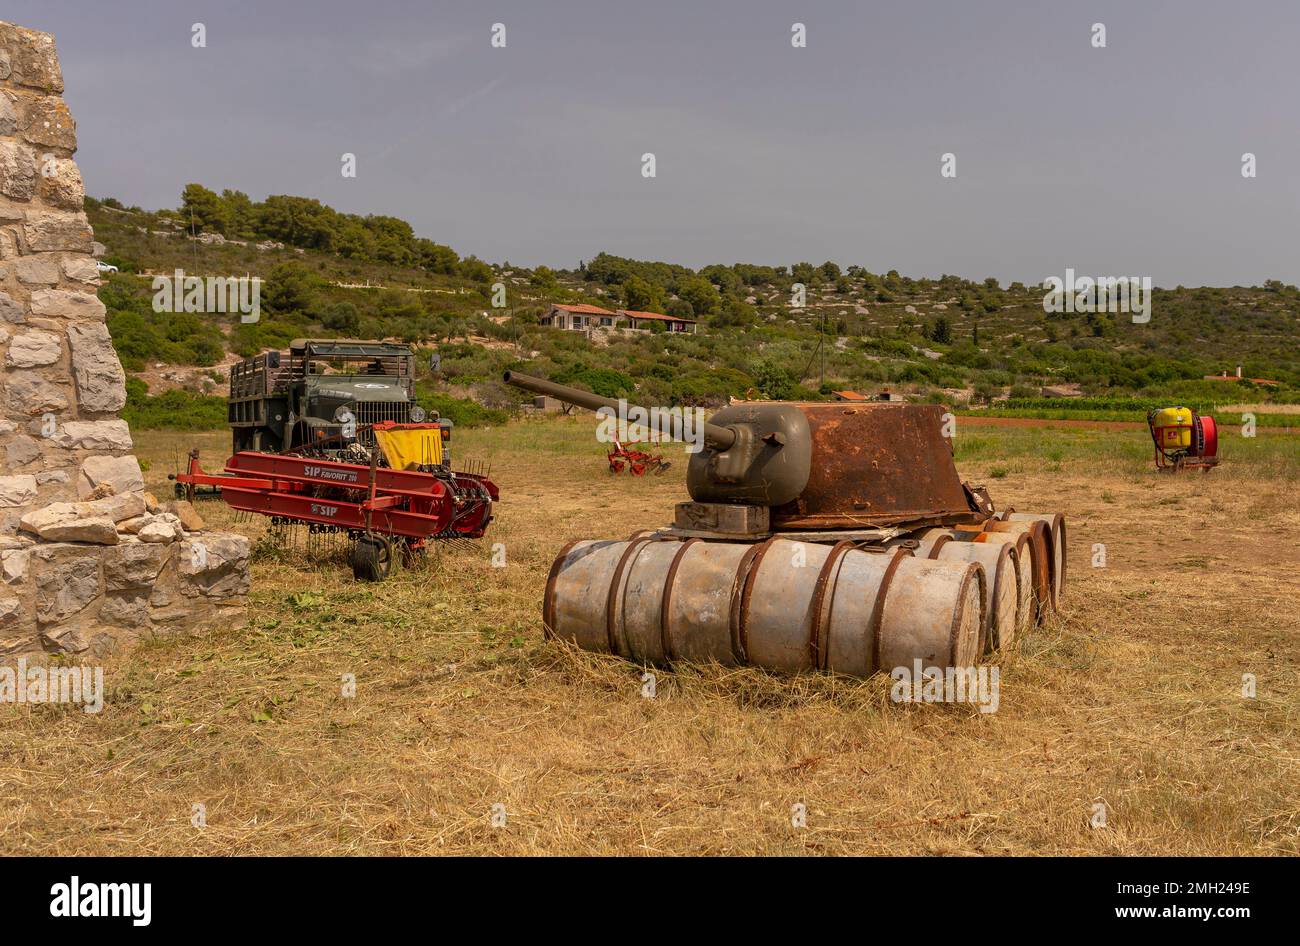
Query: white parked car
column 105, row 267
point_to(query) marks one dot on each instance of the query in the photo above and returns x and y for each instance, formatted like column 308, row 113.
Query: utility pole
column 823, row 348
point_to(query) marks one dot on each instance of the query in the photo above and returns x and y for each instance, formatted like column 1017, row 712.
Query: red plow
column 375, row 506
column 626, row 456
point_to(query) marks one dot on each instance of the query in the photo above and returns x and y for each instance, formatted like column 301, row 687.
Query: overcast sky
column 1117, row 161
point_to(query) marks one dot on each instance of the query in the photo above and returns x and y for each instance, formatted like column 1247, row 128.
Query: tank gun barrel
column 718, row 438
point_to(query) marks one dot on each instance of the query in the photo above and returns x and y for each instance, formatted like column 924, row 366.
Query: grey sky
column 1124, row 160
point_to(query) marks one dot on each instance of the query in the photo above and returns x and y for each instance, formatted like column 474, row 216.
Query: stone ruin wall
column 88, row 559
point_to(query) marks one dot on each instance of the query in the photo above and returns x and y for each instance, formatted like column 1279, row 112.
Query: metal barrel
column 1044, row 589
column 1055, row 523
column 986, row 548
column 719, row 438
column 577, row 589
column 1023, row 546
column 779, row 604
column 1002, row 570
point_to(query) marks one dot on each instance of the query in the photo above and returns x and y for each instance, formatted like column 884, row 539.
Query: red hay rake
column 637, row 462
column 375, row 506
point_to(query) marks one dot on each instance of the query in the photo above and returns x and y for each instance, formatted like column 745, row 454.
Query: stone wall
column 88, row 559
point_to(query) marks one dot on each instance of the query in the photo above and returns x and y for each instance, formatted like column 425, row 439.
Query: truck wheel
column 372, row 558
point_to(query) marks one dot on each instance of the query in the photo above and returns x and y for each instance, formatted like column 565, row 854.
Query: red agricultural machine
column 329, row 436
column 625, row 456
column 1184, row 440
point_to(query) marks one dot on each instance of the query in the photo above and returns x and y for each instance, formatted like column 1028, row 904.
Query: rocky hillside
column 948, row 338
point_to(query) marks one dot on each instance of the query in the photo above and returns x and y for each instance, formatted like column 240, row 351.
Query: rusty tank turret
column 819, row 535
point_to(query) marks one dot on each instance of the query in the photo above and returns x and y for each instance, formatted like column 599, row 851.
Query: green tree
column 642, row 296
column 205, row 209
column 774, row 382
column 941, row 332
column 701, row 294
column 290, row 290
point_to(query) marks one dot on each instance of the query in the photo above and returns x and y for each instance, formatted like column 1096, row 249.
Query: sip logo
column 328, row 511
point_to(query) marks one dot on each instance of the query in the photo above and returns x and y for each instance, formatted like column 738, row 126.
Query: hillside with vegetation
column 974, row 344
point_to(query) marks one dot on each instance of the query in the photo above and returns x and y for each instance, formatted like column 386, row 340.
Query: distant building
column 1060, row 390
column 1227, row 377
column 582, row 318
column 672, row 323
column 884, row 395
column 578, row 318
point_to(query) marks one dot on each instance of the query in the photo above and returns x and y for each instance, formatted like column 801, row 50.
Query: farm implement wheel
column 372, row 558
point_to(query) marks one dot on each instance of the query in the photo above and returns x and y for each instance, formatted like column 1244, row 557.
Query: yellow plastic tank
column 408, row 446
column 1173, row 428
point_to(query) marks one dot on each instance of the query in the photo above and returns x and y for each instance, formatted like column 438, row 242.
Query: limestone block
column 65, row 583
column 11, row 612
column 215, row 564
column 54, row 524
column 122, row 473
column 17, row 490
column 47, row 231
column 37, row 270
column 46, row 121
column 30, row 59
column 81, row 269
column 186, row 513
column 64, row 640
column 94, row 521
column 125, row 610
column 17, row 170
column 101, row 383
column 133, row 565
column 14, row 565
column 21, row 451
column 29, row 393
column 67, row 304
column 94, row 435
column 59, row 183
column 33, row 349
column 10, row 310
column 159, row 530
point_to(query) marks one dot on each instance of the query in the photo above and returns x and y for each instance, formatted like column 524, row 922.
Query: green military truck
column 321, row 393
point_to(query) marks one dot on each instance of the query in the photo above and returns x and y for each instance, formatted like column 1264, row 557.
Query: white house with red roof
column 579, row 318
column 582, row 318
column 671, row 323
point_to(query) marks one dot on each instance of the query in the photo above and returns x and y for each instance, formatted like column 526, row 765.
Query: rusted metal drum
column 1026, row 601
column 634, row 602
column 852, row 620
column 1002, row 573
column 1044, row 590
column 577, row 591
column 1055, row 523
column 701, row 608
column 779, row 604
column 928, row 541
column 932, row 612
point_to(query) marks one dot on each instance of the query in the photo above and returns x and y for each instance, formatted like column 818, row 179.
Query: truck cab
column 311, row 394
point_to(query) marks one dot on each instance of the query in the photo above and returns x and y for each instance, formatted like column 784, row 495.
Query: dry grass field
column 1132, row 696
